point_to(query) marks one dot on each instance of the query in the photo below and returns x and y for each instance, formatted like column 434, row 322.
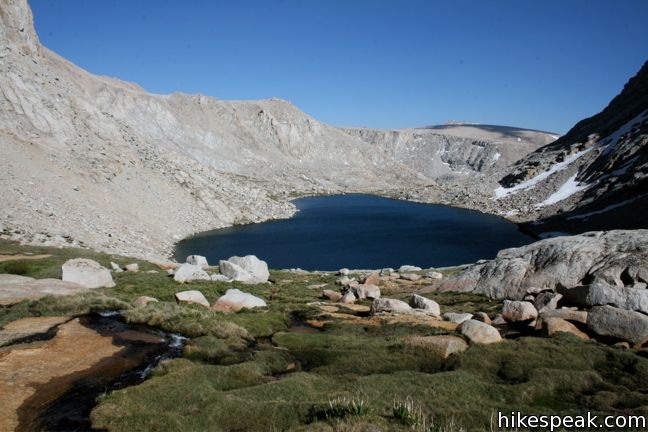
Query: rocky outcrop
column 515, row 311
column 618, row 258
column 595, row 177
column 87, row 273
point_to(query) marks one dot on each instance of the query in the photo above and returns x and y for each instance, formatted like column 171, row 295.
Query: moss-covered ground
column 295, row 366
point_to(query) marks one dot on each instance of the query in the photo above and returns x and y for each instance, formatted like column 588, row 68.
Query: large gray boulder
column 425, row 304
column 478, row 332
column 386, row 305
column 234, row 300
column 618, row 257
column 600, row 293
column 618, row 323
column 87, row 273
column 366, row 291
column 566, row 314
column 245, row 269
column 190, row 272
column 515, row 311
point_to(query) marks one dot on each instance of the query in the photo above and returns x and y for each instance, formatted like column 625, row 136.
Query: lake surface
column 362, row 232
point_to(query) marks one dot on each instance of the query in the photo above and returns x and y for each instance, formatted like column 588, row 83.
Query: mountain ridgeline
column 99, row 162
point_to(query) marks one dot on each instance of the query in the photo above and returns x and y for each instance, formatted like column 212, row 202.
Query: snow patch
column 496, row 156
column 502, row 192
column 569, row 188
column 613, row 139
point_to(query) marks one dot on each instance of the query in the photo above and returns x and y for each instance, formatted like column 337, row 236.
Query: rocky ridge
column 132, row 172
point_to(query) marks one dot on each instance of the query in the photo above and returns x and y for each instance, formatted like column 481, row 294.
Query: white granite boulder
column 190, row 272
column 425, row 304
column 235, row 300
column 197, row 260
column 191, row 297
column 87, row 273
column 245, row 269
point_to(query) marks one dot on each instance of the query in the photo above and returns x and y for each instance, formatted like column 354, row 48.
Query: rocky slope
column 100, row 162
column 594, row 177
column 615, row 258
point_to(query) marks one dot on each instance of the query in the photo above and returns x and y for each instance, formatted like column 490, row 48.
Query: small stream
column 131, row 366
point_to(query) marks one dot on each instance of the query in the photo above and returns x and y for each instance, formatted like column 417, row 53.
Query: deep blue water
column 362, row 232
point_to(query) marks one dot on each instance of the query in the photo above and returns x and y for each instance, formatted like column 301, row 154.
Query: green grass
column 250, row 371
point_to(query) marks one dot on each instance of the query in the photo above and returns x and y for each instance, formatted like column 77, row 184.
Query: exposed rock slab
column 600, row 293
column 609, row 256
column 14, row 288
column 73, row 352
column 553, row 326
column 27, row 327
column 382, row 305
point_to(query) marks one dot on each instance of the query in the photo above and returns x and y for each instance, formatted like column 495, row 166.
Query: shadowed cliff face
column 603, row 170
column 100, row 162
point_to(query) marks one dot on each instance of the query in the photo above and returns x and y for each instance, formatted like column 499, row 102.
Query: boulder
column 408, row 268
column 366, row 291
column 14, row 288
column 191, row 297
column 600, row 294
column 372, row 279
column 546, row 300
column 134, row 267
column 343, row 272
column 197, row 260
column 142, row 301
column 344, row 281
column 516, row 311
column 478, row 332
column 618, row 323
column 332, row 295
column 390, row 306
column 429, row 306
column 235, row 300
column 348, row 297
column 410, row 277
column 617, row 257
column 190, row 272
column 443, row 346
column 566, row 314
column 87, row 273
column 552, row 326
column 115, row 267
column 434, row 275
column 457, row 318
column 245, row 269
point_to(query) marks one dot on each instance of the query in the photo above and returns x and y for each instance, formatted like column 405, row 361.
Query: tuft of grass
column 408, row 413
column 341, row 407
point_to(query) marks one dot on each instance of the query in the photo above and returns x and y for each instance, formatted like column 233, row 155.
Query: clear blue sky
column 541, row 64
